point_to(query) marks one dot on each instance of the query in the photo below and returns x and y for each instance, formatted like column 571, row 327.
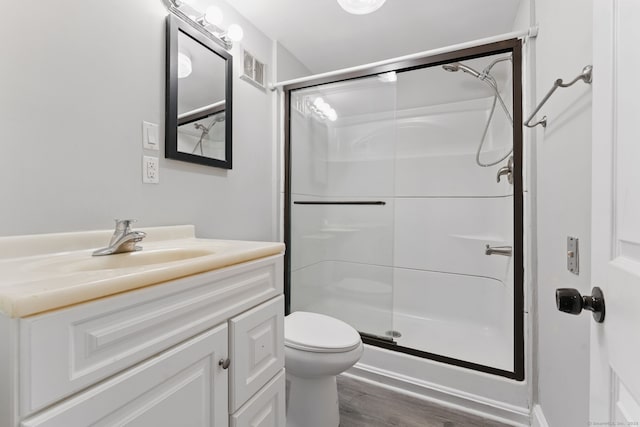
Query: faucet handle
column 124, row 224
column 506, row 170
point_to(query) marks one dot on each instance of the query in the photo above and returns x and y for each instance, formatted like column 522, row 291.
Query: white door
column 615, row 343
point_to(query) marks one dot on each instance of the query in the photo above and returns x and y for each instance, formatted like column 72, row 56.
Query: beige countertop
column 45, row 272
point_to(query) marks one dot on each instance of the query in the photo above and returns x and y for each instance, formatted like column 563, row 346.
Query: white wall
column 563, row 48
column 288, row 66
column 78, row 78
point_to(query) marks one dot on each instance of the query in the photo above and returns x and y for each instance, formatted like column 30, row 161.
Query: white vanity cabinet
column 204, row 350
column 182, row 386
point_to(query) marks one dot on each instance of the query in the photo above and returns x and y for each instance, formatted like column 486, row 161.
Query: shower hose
column 490, row 81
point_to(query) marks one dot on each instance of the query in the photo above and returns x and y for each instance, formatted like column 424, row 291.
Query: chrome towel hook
column 586, row 76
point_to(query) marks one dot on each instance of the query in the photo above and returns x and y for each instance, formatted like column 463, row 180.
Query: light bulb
column 213, row 15
column 184, row 65
column 389, row 77
column 332, row 115
column 318, row 103
column 235, row 32
column 361, row 7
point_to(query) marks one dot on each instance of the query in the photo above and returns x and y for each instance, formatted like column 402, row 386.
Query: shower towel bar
column 357, row 202
column 586, row 76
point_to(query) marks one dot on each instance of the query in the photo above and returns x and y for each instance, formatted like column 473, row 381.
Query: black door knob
column 570, row 301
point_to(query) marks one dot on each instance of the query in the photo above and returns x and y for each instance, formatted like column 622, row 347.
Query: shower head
column 456, row 66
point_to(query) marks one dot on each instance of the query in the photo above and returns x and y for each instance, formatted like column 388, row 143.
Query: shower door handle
column 498, row 250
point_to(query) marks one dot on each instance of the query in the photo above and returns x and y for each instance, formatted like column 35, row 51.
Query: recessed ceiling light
column 361, row 7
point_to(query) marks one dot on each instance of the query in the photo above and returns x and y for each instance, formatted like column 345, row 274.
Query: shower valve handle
column 506, row 170
column 570, row 301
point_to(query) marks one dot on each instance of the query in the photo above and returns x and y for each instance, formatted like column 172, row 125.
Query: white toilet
column 317, row 348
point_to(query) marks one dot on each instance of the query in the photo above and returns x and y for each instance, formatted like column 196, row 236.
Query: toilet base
column 312, row 402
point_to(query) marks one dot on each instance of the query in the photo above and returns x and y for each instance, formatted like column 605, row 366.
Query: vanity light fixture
column 234, row 33
column 361, row 7
column 212, row 16
column 323, row 110
column 208, row 23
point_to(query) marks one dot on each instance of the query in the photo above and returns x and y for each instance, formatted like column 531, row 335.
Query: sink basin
column 125, row 260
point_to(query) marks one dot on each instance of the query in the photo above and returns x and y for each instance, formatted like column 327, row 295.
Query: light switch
column 150, row 140
column 150, row 170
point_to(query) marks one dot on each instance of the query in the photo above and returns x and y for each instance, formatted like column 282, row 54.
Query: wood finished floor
column 365, row 405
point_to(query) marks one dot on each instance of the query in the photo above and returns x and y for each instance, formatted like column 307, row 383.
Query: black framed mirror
column 198, row 97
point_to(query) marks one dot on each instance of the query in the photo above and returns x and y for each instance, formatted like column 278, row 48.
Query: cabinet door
column 257, row 349
column 183, row 386
column 265, row 408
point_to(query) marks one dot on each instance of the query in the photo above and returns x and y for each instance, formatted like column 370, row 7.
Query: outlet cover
column 150, row 170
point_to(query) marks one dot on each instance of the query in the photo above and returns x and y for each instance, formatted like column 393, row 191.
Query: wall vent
column 253, row 71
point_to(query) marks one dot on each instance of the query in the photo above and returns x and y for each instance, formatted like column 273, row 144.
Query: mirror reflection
column 198, row 113
column 201, row 100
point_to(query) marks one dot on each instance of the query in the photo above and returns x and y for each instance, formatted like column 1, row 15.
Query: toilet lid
column 319, row 333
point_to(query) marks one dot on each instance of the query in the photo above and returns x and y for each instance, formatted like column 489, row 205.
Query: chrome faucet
column 506, row 170
column 123, row 239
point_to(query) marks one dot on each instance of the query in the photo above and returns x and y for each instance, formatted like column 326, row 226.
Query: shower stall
column 403, row 205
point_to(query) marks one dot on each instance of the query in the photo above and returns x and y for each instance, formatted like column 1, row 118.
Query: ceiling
column 324, row 37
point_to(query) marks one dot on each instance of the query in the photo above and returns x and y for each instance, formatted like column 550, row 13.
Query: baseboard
column 461, row 401
column 537, row 417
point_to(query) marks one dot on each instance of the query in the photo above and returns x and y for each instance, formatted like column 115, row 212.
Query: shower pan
column 403, row 205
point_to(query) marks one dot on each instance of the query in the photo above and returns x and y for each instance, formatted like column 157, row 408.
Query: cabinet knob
column 570, row 301
column 224, row 363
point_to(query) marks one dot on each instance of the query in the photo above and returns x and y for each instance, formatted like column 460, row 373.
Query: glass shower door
column 454, row 220
column 406, row 206
column 342, row 206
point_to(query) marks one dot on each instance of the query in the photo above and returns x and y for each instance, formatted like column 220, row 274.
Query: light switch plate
column 150, row 139
column 150, row 170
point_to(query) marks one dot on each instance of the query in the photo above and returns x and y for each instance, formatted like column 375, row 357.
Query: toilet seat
column 318, row 333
